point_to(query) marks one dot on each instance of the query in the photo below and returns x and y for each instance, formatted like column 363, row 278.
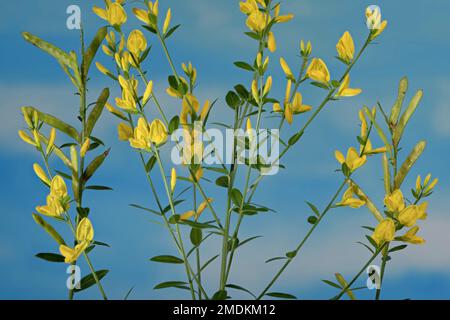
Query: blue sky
column 415, row 44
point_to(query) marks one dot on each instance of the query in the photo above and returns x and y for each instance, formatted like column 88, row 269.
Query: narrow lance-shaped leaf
column 344, row 284
column 49, row 229
column 398, row 132
column 61, row 56
column 94, row 165
column 89, row 280
column 96, row 111
column 55, row 123
column 396, row 109
column 50, row 257
column 409, row 162
column 92, row 50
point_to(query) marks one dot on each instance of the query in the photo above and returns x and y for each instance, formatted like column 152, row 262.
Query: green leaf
column 222, row 181
column 196, row 236
column 171, row 284
column 94, row 165
column 220, row 295
column 63, row 57
column 49, row 229
column 171, row 31
column 236, row 287
column 92, row 50
column 320, row 85
column 96, row 112
column 232, row 100
column 50, row 257
column 294, row 139
column 331, row 283
column 145, row 209
column 174, row 124
column 247, row 241
column 150, row 164
column 242, row 91
column 244, row 65
column 276, row 259
column 56, row 123
column 167, row 259
column 98, row 188
column 313, row 208
column 236, row 197
column 281, row 295
column 291, row 254
column 89, row 280
column 103, row 244
column 312, row 219
column 398, row 248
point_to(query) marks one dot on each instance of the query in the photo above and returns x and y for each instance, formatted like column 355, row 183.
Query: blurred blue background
column 415, row 44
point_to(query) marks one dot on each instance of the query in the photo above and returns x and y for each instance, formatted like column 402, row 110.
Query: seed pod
column 398, row 132
column 387, row 174
column 49, row 229
column 395, row 112
column 369, row 204
column 409, row 162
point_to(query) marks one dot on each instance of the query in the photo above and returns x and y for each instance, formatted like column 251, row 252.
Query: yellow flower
column 408, row 216
column 277, row 107
column 57, row 200
column 410, row 236
column 125, row 132
column 385, row 231
column 345, row 91
column 318, row 71
column 285, row 18
column 422, row 208
column 158, row 132
column 255, row 90
column 286, row 69
column 114, row 111
column 353, row 160
column 374, row 22
column 41, row 174
column 346, row 48
column 84, row 236
column 142, row 15
column 368, row 149
column 190, row 103
column 85, row 147
column 141, row 135
column 114, row 13
column 173, row 179
column 256, row 21
column 167, row 21
column 271, row 42
column 136, row 42
column 305, row 50
column 296, row 107
column 26, row 138
column 191, row 213
column 85, row 231
column 148, row 93
column 72, row 254
column 395, row 202
column 205, row 110
column 248, row 6
column 129, row 92
column 267, row 86
column 349, row 201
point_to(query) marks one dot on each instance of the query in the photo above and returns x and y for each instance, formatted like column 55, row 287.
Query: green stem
column 383, row 268
column 344, row 290
column 172, row 207
column 299, row 247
